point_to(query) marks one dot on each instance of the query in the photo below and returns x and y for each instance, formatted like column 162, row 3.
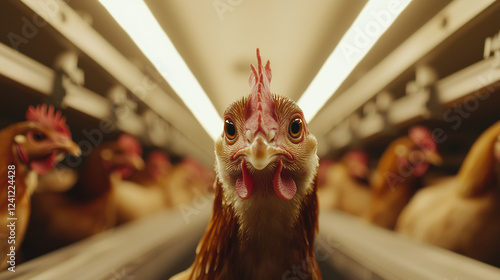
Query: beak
column 136, row 162
column 434, row 158
column 260, row 153
column 69, row 147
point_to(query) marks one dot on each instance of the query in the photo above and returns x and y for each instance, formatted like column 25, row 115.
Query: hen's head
column 157, row 164
column 123, row 156
column 266, row 150
column 417, row 151
column 44, row 139
column 356, row 162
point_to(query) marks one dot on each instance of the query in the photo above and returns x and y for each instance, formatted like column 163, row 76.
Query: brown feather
column 477, row 171
column 215, row 247
column 265, row 210
column 22, row 196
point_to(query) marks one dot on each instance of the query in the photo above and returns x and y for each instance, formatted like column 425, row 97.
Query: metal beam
column 107, row 255
column 71, row 28
column 29, row 74
column 477, row 81
column 458, row 15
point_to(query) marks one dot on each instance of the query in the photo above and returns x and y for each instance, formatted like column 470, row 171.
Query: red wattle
column 244, row 184
column 44, row 165
column 421, row 168
column 23, row 155
column 284, row 185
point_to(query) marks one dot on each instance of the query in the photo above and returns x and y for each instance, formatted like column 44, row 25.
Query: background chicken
column 59, row 179
column 187, row 181
column 145, row 191
column 395, row 179
column 26, row 149
column 461, row 213
column 346, row 187
column 265, row 209
column 88, row 208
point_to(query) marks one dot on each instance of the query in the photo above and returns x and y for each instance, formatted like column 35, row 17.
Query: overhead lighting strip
column 371, row 23
column 138, row 21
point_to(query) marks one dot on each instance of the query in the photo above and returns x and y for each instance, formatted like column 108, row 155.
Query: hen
column 462, row 213
column 395, row 179
column 89, row 207
column 346, row 187
column 265, row 210
column 28, row 148
column 187, row 181
column 145, row 191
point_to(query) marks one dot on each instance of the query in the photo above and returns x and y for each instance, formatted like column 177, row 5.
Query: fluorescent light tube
column 373, row 20
column 137, row 20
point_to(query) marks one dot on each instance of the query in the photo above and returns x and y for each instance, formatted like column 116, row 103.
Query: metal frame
column 72, row 30
column 353, row 247
column 383, row 254
column 28, row 73
column 116, row 252
column 479, row 78
column 429, row 39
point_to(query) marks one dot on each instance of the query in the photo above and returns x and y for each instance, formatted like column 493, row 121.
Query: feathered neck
column 9, row 157
column 94, row 179
column 477, row 172
column 228, row 252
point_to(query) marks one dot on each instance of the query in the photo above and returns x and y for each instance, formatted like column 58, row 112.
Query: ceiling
column 217, row 39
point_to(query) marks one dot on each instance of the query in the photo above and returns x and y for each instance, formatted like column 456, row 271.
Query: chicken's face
column 416, row 152
column 266, row 152
column 44, row 140
column 123, row 158
column 280, row 152
column 356, row 162
column 158, row 164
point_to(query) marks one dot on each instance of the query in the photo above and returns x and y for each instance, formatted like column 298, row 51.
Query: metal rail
column 430, row 38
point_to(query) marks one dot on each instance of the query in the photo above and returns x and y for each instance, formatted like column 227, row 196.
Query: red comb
column 422, row 136
column 49, row 117
column 130, row 144
column 260, row 113
column 256, row 80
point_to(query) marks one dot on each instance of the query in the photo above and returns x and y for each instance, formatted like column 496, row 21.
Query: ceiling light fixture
column 138, row 21
column 371, row 23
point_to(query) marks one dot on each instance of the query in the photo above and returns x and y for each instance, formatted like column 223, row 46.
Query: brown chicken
column 395, row 179
column 187, row 181
column 26, row 149
column 346, row 187
column 462, row 213
column 89, row 207
column 265, row 210
column 145, row 191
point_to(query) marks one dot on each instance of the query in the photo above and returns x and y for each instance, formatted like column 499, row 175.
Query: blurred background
column 436, row 66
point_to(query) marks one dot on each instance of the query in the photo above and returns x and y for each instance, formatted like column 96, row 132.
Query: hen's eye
column 295, row 128
column 39, row 136
column 229, row 129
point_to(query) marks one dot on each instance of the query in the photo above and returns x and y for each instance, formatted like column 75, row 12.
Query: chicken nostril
column 249, row 135
column 272, row 134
